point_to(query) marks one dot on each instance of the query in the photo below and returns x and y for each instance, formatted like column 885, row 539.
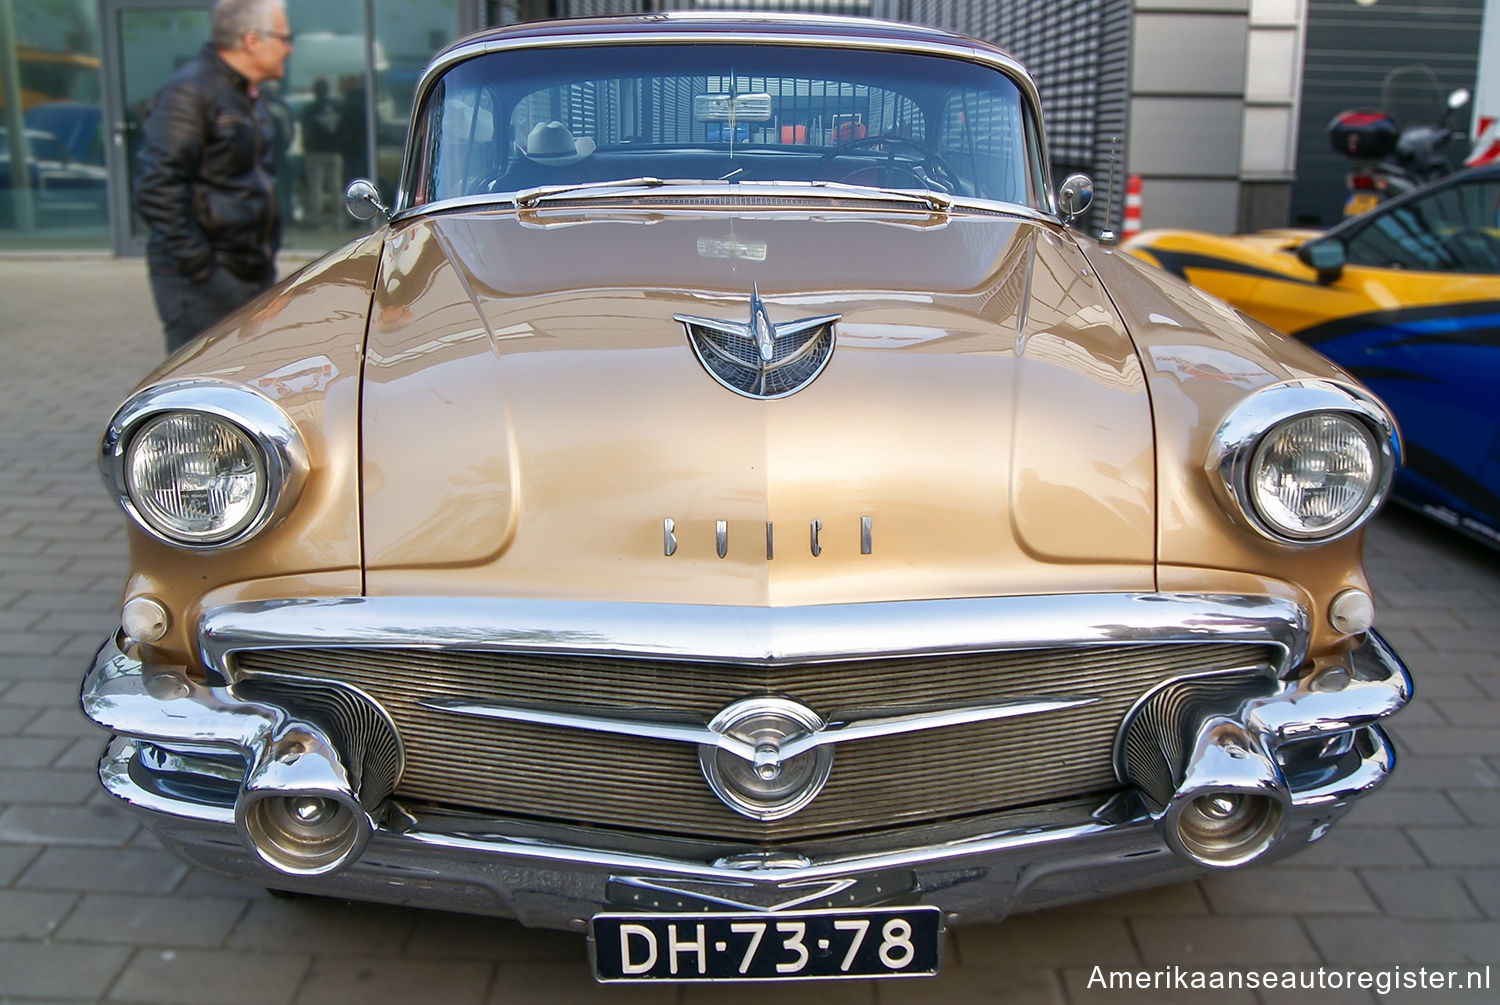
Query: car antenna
column 1108, row 237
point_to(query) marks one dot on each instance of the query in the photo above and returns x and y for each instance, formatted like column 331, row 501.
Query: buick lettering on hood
column 723, row 508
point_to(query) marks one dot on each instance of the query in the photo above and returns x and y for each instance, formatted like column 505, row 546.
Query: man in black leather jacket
column 207, row 184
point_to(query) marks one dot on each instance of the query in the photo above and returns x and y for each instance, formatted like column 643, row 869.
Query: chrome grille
column 567, row 775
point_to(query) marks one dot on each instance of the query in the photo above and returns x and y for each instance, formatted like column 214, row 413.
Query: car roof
column 1355, row 224
column 719, row 23
column 715, row 26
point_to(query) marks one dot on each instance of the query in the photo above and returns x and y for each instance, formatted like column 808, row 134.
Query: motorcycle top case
column 1363, row 134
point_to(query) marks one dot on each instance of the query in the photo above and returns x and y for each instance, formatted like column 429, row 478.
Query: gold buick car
column 725, row 510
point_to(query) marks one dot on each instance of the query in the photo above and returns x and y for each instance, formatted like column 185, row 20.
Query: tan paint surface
column 299, row 346
column 534, row 414
column 1201, row 358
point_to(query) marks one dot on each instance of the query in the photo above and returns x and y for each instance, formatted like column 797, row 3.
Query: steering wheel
column 928, row 169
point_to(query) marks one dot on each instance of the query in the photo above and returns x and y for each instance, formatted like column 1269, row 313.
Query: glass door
column 144, row 41
column 341, row 111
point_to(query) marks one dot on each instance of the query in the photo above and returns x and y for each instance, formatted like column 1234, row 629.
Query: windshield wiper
column 536, row 196
column 932, row 200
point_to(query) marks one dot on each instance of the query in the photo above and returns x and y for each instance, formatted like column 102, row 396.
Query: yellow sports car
column 724, row 509
column 1406, row 298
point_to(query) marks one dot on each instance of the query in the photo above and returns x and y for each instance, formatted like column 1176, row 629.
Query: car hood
column 1264, row 254
column 535, row 422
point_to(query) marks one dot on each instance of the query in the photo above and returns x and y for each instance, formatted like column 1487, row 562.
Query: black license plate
column 806, row 945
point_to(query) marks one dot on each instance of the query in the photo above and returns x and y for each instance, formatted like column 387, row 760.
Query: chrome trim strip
column 797, row 894
column 1374, row 768
column 739, row 31
column 538, row 197
column 853, row 194
column 1377, row 685
column 1234, row 443
column 765, row 636
column 275, row 435
column 160, row 704
column 832, row 733
column 114, row 776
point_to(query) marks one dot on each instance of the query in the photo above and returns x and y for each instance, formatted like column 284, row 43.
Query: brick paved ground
column 91, row 909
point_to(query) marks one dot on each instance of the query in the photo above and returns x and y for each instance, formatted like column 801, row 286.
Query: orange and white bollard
column 1486, row 143
column 1131, row 225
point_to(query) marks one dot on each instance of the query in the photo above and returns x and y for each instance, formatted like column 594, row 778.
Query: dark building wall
column 1078, row 51
column 1349, row 50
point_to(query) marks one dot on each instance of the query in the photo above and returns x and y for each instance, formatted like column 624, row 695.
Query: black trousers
column 187, row 308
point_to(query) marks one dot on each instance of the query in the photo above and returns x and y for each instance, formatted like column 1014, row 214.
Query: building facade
column 1218, row 106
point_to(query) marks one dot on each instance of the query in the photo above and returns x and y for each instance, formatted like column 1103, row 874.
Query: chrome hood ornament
column 761, row 359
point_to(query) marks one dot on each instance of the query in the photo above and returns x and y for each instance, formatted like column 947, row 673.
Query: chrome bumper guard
column 1275, row 767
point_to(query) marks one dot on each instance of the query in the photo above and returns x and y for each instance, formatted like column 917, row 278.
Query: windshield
column 507, row 122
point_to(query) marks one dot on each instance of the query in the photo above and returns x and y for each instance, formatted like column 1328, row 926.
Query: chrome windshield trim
column 739, row 32
column 767, row 636
column 703, row 735
column 534, row 197
column 920, row 201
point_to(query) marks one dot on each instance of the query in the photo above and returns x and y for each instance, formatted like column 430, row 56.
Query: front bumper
column 185, row 756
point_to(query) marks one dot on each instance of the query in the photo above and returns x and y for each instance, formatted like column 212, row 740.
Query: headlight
column 195, row 477
column 1305, row 461
column 199, row 463
column 1313, row 476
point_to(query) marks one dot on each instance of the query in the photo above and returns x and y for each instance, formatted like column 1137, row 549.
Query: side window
column 1456, row 229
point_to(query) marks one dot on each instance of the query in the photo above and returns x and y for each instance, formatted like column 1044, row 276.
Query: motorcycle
column 1387, row 159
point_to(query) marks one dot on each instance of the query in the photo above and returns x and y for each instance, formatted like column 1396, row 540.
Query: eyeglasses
column 284, row 37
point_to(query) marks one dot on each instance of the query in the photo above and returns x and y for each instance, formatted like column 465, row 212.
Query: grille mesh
column 568, row 775
column 1155, row 746
column 362, row 734
column 743, row 371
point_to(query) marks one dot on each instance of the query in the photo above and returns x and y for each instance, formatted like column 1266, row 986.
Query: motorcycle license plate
column 1359, row 202
column 805, row 945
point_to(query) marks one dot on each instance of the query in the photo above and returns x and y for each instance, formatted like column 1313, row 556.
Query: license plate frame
column 756, row 946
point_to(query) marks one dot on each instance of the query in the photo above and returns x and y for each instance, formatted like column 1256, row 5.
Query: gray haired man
column 207, row 184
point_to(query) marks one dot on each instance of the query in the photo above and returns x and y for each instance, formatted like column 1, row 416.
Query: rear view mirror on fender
column 1326, row 256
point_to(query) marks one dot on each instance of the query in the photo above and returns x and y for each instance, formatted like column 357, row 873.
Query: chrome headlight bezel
column 281, row 453
column 1238, row 440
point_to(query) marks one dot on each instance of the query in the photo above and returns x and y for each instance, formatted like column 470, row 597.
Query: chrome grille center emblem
column 774, row 782
column 761, row 359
